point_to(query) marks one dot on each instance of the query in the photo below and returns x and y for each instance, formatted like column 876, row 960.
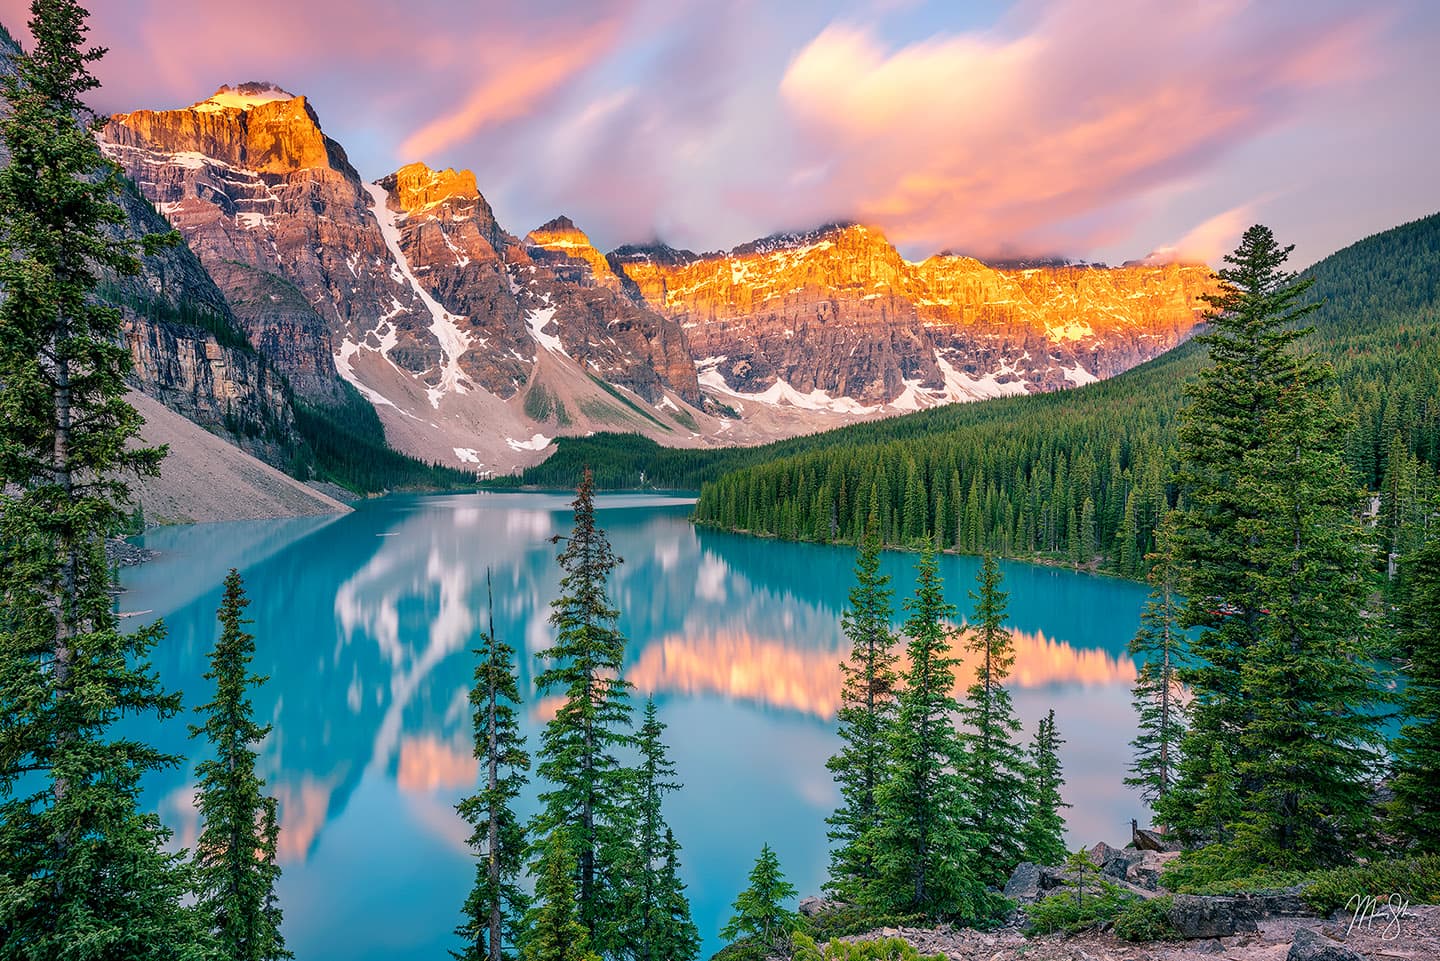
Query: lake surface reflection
column 364, row 624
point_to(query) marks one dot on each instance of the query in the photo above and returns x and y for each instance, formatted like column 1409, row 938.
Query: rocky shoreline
column 119, row 552
column 1272, row 925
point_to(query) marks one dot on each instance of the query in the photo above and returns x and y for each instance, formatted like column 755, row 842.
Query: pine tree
column 866, row 712
column 1417, row 749
column 922, row 850
column 588, row 784
column 1044, row 835
column 673, row 933
column 657, row 919
column 1159, row 646
column 995, row 769
column 760, row 912
column 1270, row 550
column 496, row 905
column 83, row 872
column 552, row 932
column 235, row 869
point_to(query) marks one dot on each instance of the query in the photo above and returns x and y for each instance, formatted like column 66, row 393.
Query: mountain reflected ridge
column 365, row 624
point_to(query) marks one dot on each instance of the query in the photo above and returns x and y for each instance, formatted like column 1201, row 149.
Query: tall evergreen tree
column 1044, row 834
column 552, row 931
column 673, row 933
column 1270, row 546
column 587, row 783
column 1159, row 646
column 760, row 912
column 235, row 868
column 923, row 852
column 83, row 872
column 1417, row 749
column 995, row 769
column 496, row 906
column 866, row 712
column 657, row 921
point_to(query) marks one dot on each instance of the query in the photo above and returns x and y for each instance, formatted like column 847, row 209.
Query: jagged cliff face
column 188, row 348
column 406, row 287
column 186, row 345
column 477, row 347
column 837, row 320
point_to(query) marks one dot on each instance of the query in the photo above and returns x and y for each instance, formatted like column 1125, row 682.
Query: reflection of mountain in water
column 775, row 673
column 364, row 627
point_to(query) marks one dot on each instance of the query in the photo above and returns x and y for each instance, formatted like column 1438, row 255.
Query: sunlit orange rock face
column 737, row 665
column 839, row 310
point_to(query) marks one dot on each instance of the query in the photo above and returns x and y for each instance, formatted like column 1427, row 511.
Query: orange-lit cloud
column 991, row 138
column 512, row 90
column 1054, row 126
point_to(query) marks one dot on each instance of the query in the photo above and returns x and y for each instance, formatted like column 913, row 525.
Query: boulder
column 1285, row 903
column 1146, row 839
column 1113, row 862
column 1310, row 945
column 812, row 906
column 1196, row 916
column 1145, row 871
column 1024, row 883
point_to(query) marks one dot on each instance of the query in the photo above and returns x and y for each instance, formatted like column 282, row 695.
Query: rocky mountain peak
column 558, row 241
column 417, row 188
column 244, row 96
column 254, row 127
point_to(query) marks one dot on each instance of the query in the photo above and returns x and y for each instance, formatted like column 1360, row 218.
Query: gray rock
column 812, row 906
column 1024, row 883
column 1208, row 946
column 1145, row 870
column 1311, row 945
column 1285, row 903
column 1145, row 839
column 1194, row 916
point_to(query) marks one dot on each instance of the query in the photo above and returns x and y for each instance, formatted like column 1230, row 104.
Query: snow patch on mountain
column 538, row 442
column 781, row 393
column 444, row 325
column 537, row 320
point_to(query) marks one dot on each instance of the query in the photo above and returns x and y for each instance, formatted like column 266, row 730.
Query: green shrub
column 1076, row 911
column 848, row 919
column 1146, row 920
column 1417, row 880
column 880, row 949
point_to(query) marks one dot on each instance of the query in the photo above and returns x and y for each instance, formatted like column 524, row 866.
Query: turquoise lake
column 365, row 624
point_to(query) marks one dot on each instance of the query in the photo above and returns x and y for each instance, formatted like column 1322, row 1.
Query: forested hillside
column 1079, row 474
column 1084, row 475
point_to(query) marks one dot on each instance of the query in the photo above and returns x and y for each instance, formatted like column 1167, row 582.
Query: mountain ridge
column 478, row 346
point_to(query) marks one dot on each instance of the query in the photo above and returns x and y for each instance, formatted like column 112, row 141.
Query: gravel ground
column 206, row 479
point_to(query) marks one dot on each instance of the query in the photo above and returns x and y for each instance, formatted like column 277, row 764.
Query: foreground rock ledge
column 1274, row 939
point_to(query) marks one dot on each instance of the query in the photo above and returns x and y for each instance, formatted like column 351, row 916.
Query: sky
column 1091, row 129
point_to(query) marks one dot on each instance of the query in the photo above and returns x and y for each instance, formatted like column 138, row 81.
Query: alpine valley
column 477, row 346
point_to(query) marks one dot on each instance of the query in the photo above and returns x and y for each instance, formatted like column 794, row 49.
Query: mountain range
column 477, row 347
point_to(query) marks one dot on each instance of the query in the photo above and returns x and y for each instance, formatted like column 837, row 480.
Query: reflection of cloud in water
column 427, row 763
column 710, row 579
column 304, row 806
column 733, row 663
column 532, row 525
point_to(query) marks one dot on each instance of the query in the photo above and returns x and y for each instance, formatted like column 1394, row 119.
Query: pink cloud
column 982, row 140
column 512, row 90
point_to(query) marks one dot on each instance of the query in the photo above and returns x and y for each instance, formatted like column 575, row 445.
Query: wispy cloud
column 1063, row 126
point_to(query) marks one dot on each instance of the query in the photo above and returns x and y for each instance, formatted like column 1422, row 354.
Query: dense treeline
column 1085, row 475
column 345, row 444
